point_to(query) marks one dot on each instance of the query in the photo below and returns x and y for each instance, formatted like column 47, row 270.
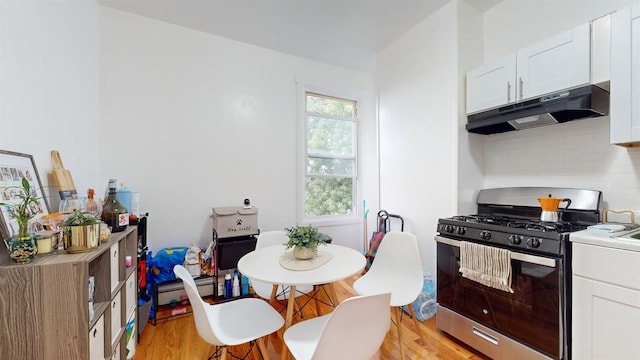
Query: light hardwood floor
column 177, row 339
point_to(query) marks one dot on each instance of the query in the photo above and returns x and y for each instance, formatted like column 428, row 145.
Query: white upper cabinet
column 625, row 77
column 555, row 64
column 492, row 85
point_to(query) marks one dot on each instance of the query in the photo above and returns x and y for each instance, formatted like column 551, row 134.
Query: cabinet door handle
column 521, row 96
column 508, row 91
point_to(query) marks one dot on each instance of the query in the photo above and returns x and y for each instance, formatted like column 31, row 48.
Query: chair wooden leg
column 224, row 353
column 262, row 348
column 296, row 307
column 399, row 326
column 274, row 291
column 416, row 323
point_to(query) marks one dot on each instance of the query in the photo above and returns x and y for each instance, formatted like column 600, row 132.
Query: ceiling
column 346, row 33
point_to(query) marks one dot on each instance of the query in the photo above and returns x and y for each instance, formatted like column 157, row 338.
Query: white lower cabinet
column 607, row 323
column 606, row 303
column 96, row 340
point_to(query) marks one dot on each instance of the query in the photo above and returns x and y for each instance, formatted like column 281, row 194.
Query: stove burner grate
column 526, row 224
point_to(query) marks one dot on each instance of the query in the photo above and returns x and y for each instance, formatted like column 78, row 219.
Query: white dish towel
column 487, row 265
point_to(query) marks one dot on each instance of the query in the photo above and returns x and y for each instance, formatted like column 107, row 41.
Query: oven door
column 532, row 315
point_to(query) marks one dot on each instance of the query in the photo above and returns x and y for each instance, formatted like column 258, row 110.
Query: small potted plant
column 304, row 240
column 81, row 232
column 22, row 246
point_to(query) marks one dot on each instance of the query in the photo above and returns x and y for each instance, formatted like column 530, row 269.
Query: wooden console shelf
column 45, row 304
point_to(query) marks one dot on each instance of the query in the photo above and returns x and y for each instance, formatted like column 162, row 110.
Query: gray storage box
column 174, row 291
column 235, row 221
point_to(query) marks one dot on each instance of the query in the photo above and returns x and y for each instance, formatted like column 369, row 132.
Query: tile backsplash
column 575, row 154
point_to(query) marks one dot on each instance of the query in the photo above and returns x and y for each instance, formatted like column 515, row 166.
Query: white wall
column 575, row 154
column 418, row 126
column 49, row 85
column 470, row 165
column 193, row 121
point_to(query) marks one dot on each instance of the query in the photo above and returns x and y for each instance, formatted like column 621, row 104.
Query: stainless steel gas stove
column 532, row 322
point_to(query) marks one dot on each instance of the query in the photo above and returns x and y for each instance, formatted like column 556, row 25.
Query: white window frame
column 325, row 220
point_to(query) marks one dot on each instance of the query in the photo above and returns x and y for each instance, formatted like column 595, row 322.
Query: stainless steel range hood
column 567, row 105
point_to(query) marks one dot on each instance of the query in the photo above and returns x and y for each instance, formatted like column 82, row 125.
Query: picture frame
column 13, row 167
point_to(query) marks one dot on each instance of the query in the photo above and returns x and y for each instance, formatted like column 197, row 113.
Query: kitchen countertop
column 617, row 240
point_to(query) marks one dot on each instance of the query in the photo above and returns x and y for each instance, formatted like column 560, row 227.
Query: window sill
column 333, row 220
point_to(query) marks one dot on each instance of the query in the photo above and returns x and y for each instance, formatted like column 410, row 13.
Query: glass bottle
column 112, row 183
column 92, row 206
column 114, row 213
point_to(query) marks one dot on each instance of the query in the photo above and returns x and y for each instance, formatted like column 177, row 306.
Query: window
column 330, row 156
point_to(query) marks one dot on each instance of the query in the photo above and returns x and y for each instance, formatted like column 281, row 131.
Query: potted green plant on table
column 81, row 232
column 304, row 240
column 22, row 246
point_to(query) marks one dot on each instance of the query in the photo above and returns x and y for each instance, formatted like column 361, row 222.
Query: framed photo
column 13, row 167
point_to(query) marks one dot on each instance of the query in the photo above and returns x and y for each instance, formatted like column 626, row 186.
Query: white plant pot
column 303, row 253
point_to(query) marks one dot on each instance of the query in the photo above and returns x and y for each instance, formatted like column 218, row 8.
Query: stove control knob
column 533, row 243
column 461, row 230
column 449, row 228
column 515, row 239
column 485, row 235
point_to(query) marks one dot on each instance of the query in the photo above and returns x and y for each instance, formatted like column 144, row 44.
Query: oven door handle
column 533, row 259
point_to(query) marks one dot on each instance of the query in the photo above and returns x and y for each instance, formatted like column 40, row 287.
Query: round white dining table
column 264, row 264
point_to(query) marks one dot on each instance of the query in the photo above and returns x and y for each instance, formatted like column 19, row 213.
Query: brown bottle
column 114, row 213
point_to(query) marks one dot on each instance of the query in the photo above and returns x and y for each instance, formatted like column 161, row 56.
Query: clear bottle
column 92, row 206
column 114, row 213
column 236, row 285
column 67, row 206
column 417, row 305
column 428, row 307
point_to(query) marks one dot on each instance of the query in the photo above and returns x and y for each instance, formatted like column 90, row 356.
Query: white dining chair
column 264, row 289
column 397, row 269
column 354, row 330
column 231, row 323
